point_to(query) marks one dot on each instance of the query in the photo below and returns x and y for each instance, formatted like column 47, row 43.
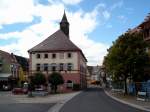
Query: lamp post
column 134, row 69
column 30, row 86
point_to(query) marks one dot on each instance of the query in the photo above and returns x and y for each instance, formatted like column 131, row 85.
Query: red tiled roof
column 5, row 55
column 56, row 42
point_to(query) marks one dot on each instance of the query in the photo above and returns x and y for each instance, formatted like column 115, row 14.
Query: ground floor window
column 37, row 67
column 70, row 67
column 61, row 66
column 53, row 67
column 69, row 84
column 45, row 67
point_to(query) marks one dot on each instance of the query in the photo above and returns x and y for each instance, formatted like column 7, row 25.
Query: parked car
column 20, row 91
column 6, row 88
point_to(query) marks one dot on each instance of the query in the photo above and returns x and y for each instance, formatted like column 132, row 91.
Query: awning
column 4, row 76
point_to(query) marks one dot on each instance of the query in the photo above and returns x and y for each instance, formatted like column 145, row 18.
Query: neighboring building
column 5, row 72
column 89, row 73
column 13, row 68
column 94, row 72
column 103, row 76
column 144, row 28
column 23, row 70
column 58, row 53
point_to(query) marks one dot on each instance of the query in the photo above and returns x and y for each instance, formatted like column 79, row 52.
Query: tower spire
column 64, row 25
column 64, row 18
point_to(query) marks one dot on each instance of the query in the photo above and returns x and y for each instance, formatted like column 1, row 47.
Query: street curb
column 127, row 103
column 59, row 105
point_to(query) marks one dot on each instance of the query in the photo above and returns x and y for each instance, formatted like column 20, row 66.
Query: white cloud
column 51, row 12
column 122, row 18
column 14, row 11
column 71, row 2
column 81, row 24
column 117, row 5
column 66, row 2
column 106, row 15
column 102, row 5
column 10, row 35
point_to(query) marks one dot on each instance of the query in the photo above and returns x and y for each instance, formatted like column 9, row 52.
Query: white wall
column 57, row 60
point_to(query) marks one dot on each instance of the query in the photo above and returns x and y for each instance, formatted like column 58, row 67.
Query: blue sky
column 94, row 24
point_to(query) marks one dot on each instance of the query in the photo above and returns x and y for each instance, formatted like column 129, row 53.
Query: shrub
column 76, row 87
column 38, row 79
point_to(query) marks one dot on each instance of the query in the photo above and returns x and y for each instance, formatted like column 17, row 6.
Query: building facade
column 58, row 53
column 94, row 72
column 13, row 69
column 144, row 28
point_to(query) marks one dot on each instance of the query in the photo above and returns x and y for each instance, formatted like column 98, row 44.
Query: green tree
column 55, row 79
column 127, row 58
column 38, row 79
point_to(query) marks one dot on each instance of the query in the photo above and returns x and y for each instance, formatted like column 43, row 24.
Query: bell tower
column 64, row 25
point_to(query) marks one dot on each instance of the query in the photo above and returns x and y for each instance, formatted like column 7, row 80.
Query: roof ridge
column 4, row 52
column 56, row 41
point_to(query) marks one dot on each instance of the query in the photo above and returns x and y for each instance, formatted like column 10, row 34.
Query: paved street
column 22, row 103
column 26, row 107
column 5, row 97
column 95, row 100
column 8, row 103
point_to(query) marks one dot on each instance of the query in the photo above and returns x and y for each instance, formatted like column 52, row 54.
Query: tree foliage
column 38, row 79
column 55, row 79
column 127, row 58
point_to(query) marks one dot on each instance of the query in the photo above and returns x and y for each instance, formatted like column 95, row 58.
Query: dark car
column 20, row 91
column 6, row 88
column 17, row 91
